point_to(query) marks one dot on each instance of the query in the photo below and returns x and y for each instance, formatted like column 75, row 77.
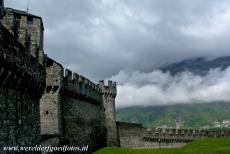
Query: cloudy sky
column 104, row 39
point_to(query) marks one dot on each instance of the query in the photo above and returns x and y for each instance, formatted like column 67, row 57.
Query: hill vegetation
column 196, row 116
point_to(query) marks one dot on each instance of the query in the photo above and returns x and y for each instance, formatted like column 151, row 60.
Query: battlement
column 183, row 133
column 135, row 135
column 70, row 83
column 110, row 89
column 81, row 85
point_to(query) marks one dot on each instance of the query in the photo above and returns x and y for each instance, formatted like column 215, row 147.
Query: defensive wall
column 72, row 108
column 22, row 82
column 136, row 136
column 72, row 111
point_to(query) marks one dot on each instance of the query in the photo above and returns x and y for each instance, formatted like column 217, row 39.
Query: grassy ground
column 207, row 146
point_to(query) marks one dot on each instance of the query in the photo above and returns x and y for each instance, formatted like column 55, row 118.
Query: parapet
column 110, row 89
column 71, row 83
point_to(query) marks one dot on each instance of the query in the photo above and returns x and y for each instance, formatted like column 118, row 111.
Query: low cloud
column 158, row 88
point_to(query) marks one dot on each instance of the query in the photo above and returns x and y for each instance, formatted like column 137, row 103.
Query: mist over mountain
column 196, row 80
column 196, row 89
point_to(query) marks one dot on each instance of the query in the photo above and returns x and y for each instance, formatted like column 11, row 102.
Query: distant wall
column 130, row 134
column 135, row 136
column 22, row 82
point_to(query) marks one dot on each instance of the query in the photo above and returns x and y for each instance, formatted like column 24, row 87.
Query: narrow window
column 29, row 20
column 48, row 89
column 17, row 17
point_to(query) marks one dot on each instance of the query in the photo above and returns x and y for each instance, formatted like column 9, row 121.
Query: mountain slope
column 192, row 115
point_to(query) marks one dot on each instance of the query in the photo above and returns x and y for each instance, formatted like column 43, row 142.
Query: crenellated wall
column 80, row 87
column 136, row 136
column 22, row 82
column 190, row 134
column 71, row 109
column 82, row 112
column 71, row 106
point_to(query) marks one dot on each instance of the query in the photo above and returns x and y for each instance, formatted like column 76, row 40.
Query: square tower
column 27, row 28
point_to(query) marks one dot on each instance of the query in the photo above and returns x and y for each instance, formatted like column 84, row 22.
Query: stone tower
column 27, row 28
column 109, row 94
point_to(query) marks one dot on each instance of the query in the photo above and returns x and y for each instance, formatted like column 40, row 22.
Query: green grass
column 206, row 146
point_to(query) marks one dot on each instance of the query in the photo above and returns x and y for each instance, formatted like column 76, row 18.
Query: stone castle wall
column 82, row 112
column 71, row 109
column 22, row 82
column 50, row 111
column 136, row 136
column 130, row 135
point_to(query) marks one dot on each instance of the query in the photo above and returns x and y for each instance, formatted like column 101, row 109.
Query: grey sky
column 100, row 38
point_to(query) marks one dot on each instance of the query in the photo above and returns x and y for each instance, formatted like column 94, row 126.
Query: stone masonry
column 50, row 103
column 71, row 109
column 22, row 82
column 27, row 28
column 43, row 103
column 109, row 93
column 82, row 112
column 134, row 135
